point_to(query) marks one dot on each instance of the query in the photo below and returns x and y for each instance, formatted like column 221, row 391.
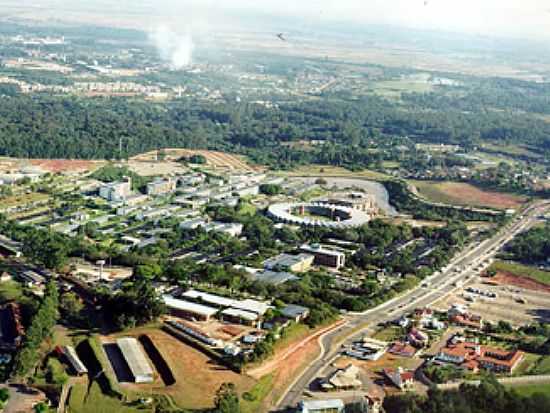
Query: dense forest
column 67, row 127
column 530, row 247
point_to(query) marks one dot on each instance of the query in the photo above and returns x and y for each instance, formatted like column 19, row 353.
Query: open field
column 49, row 165
column 530, row 389
column 521, row 275
column 327, row 170
column 458, row 193
column 93, row 400
column 154, row 168
column 394, row 88
column 196, row 376
column 511, row 150
column 22, row 199
column 213, row 158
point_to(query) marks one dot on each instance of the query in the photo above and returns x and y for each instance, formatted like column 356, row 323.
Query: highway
column 471, row 261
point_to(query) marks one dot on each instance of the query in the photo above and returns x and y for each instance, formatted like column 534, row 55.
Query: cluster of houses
column 471, row 356
column 459, row 315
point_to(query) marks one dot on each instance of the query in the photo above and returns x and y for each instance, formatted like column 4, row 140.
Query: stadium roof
column 283, row 212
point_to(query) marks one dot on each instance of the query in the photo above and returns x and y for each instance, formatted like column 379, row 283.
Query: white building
column 116, row 191
column 136, row 360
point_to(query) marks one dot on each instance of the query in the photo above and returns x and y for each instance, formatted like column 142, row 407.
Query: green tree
column 227, row 399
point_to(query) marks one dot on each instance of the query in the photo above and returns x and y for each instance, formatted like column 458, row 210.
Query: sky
column 510, row 18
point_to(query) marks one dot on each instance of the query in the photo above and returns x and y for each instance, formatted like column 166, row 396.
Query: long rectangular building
column 136, row 359
column 186, row 309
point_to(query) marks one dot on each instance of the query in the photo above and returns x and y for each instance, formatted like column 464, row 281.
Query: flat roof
column 293, row 310
column 183, row 305
column 323, row 404
column 287, row 259
column 321, row 250
column 253, row 306
column 273, row 277
column 245, row 315
column 135, row 357
column 209, row 298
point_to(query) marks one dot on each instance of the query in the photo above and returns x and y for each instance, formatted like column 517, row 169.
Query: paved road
column 465, row 265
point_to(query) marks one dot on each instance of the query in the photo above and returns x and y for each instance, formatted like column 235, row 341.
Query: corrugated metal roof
column 183, row 305
column 135, row 357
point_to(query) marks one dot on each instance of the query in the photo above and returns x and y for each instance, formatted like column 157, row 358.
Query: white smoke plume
column 174, row 48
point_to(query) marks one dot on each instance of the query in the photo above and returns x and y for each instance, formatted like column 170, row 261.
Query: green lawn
column 521, row 270
column 542, row 365
column 293, row 333
column 389, row 334
column 252, row 400
column 10, row 291
column 527, row 365
column 530, row 389
column 97, row 402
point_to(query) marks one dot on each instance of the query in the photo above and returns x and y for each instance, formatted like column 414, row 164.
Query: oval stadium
column 318, row 214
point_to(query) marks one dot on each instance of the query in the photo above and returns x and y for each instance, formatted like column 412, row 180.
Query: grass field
column 336, row 171
column 23, row 199
column 458, row 193
column 531, row 389
column 253, row 399
column 511, row 150
column 520, row 270
column 394, row 88
column 10, row 291
column 389, row 334
column 95, row 401
column 292, row 334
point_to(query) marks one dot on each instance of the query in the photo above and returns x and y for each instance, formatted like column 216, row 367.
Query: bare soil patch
column 64, row 165
column 507, row 278
column 460, row 193
column 213, row 158
column 197, row 377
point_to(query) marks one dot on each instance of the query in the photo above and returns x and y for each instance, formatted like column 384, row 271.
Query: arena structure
column 318, row 214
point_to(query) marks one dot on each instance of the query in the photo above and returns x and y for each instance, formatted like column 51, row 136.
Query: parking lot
column 517, row 305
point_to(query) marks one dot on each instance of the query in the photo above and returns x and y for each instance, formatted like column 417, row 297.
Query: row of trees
column 489, row 397
column 40, row 328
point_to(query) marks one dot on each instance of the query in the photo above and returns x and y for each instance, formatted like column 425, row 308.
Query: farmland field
column 458, row 193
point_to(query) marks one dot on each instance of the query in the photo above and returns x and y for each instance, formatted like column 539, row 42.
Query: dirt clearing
column 213, row 158
column 459, row 193
column 197, row 377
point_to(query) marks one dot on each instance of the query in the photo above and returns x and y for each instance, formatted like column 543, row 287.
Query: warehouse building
column 136, row 360
column 236, row 316
column 189, row 310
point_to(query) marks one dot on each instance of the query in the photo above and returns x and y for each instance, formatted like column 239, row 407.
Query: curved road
column 466, row 264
